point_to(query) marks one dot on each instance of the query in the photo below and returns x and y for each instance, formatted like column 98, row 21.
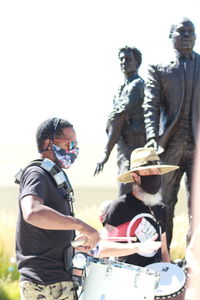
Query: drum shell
column 113, row 280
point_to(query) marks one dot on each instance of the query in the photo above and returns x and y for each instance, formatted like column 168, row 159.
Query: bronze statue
column 125, row 126
column 171, row 110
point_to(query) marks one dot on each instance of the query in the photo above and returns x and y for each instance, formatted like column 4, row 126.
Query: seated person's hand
column 149, row 246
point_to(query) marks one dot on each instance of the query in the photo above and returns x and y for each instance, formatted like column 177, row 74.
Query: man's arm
column 108, row 248
column 37, row 214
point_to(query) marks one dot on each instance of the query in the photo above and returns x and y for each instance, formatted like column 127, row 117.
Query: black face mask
column 151, row 184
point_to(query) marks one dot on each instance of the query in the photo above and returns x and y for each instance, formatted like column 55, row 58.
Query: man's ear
column 47, row 144
column 136, row 177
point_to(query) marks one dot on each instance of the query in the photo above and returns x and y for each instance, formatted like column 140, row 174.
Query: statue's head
column 183, row 35
column 130, row 60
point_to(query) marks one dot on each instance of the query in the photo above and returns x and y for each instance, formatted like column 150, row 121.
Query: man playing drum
column 140, row 216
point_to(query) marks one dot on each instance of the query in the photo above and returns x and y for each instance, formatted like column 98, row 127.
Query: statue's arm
column 151, row 106
column 114, row 130
column 114, row 127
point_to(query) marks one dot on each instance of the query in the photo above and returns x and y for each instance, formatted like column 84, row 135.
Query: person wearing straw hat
column 140, row 216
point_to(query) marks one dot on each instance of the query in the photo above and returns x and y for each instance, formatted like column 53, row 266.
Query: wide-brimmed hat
column 143, row 159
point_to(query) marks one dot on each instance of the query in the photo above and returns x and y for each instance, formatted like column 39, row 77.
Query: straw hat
column 143, row 159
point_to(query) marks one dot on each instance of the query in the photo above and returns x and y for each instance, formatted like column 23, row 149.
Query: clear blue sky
column 59, row 58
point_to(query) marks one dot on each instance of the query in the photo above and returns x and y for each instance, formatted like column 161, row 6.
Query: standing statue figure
column 125, row 126
column 171, row 110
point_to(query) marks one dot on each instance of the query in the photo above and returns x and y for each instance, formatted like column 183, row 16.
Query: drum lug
column 108, row 271
column 137, row 275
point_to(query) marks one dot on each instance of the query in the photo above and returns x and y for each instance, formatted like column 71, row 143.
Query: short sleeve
column 34, row 182
column 113, row 215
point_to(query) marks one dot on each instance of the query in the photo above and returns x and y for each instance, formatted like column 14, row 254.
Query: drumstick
column 120, row 238
column 83, row 240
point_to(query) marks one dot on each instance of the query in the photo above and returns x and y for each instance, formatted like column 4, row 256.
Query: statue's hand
column 152, row 144
column 100, row 165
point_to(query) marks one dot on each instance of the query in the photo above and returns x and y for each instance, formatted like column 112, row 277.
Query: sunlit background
column 59, row 58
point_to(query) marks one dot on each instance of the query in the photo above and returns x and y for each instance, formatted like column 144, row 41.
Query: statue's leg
column 188, row 161
column 170, row 187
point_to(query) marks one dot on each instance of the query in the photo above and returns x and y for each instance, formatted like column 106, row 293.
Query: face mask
column 65, row 158
column 151, row 184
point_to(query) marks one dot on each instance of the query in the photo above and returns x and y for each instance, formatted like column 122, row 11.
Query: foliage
column 9, row 290
column 9, row 275
column 90, row 216
column 178, row 244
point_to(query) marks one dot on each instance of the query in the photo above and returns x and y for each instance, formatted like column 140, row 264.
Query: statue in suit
column 125, row 125
column 171, row 111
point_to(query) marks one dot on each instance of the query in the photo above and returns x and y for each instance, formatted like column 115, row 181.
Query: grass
column 9, row 289
column 90, row 216
column 178, row 244
column 8, row 270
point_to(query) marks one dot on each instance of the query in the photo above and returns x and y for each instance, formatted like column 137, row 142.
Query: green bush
column 9, row 290
column 9, row 275
column 8, row 267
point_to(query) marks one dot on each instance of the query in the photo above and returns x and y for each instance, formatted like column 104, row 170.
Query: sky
column 59, row 59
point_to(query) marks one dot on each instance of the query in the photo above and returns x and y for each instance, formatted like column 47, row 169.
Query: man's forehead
column 68, row 132
column 148, row 171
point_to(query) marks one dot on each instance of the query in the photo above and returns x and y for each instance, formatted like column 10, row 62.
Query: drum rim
column 171, row 295
column 108, row 262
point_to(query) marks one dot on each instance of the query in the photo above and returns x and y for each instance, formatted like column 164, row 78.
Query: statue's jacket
column 165, row 96
column 125, row 123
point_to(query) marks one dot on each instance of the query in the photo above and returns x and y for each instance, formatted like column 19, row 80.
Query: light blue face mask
column 65, row 158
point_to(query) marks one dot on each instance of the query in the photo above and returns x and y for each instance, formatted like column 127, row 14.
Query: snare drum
column 112, row 280
column 172, row 281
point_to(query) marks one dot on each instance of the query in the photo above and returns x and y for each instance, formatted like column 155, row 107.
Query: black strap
column 55, row 170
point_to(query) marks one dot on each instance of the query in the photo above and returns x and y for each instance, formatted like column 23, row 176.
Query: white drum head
column 172, row 279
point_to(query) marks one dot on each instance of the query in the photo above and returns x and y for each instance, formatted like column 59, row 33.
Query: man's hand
column 100, row 165
column 149, row 246
column 79, row 243
column 88, row 239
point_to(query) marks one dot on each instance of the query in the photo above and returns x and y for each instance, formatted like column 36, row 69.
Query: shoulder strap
column 59, row 176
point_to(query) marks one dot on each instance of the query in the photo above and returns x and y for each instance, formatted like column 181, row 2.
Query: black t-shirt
column 40, row 253
column 132, row 218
